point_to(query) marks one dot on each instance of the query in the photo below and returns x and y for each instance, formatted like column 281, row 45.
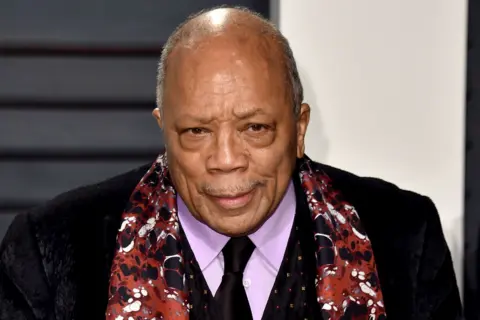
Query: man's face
column 231, row 136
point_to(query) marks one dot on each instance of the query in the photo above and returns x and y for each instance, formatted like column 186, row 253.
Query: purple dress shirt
column 262, row 268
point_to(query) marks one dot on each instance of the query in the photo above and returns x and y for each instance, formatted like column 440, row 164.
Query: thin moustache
column 232, row 192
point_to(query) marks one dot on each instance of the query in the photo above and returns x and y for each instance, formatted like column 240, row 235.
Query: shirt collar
column 270, row 240
column 272, row 237
column 206, row 243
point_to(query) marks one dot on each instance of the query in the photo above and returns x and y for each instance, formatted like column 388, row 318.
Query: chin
column 232, row 227
column 235, row 232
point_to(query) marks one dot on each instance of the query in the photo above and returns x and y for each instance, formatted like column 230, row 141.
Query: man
column 234, row 221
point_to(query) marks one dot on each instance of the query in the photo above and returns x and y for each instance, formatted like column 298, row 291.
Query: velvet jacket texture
column 55, row 260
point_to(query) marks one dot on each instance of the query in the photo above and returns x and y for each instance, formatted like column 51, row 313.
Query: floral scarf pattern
column 148, row 280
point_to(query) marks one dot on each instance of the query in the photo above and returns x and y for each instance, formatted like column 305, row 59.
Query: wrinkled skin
column 231, row 135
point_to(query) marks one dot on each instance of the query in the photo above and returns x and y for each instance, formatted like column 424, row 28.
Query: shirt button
column 247, row 283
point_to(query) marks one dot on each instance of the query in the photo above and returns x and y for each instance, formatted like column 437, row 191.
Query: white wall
column 386, row 83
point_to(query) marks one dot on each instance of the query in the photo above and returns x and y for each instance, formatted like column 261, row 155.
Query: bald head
column 223, row 20
column 242, row 28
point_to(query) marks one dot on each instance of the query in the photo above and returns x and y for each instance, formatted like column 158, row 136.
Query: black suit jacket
column 55, row 260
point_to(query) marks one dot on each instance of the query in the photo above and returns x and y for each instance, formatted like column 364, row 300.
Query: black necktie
column 231, row 297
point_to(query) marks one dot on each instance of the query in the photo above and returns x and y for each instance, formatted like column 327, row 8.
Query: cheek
column 276, row 167
column 186, row 174
column 278, row 170
column 188, row 164
column 276, row 160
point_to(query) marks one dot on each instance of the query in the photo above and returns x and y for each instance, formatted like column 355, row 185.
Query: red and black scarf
column 148, row 278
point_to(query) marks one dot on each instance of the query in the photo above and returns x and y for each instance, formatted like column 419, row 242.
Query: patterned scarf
column 147, row 278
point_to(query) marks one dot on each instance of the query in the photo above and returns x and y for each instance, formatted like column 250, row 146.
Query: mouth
column 234, row 201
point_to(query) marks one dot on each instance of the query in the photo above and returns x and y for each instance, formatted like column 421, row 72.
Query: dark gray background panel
column 36, row 182
column 5, row 220
column 85, row 129
column 100, row 21
column 70, row 78
column 472, row 174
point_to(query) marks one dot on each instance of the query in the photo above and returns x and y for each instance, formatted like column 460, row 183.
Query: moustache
column 231, row 190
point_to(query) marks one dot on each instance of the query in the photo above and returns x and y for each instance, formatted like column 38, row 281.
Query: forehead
column 225, row 69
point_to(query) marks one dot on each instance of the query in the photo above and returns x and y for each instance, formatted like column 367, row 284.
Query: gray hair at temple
column 183, row 35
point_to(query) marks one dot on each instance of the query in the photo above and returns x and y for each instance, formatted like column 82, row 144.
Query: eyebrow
column 242, row 115
column 249, row 113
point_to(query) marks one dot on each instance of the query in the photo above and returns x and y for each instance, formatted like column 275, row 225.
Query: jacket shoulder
column 50, row 249
column 409, row 246
column 88, row 207
column 380, row 199
column 390, row 215
column 117, row 188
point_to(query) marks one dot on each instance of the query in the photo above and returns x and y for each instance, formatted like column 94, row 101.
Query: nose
column 227, row 154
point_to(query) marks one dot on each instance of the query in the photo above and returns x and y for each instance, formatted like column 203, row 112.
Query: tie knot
column 236, row 254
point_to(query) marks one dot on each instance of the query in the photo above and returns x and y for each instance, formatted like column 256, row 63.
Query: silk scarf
column 148, row 279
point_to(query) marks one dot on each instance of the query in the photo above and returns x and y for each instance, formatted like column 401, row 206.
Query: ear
column 158, row 116
column 302, row 123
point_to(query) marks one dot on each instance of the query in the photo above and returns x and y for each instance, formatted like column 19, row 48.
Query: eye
column 196, row 131
column 257, row 127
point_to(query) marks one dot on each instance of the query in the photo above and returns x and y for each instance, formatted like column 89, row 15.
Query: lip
column 234, row 201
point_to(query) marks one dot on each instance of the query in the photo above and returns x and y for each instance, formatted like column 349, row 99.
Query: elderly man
column 233, row 221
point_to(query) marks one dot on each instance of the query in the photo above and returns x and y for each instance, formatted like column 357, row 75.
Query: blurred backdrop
column 387, row 82
column 77, row 86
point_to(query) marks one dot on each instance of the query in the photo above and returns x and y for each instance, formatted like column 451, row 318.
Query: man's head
column 230, row 105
